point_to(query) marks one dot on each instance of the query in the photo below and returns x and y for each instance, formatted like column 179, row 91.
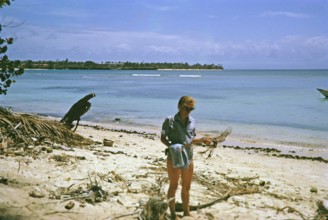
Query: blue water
column 280, row 104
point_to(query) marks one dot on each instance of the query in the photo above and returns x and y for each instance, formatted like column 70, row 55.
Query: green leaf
column 10, row 40
column 3, row 49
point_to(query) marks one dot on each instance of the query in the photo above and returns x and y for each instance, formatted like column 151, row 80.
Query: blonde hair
column 186, row 100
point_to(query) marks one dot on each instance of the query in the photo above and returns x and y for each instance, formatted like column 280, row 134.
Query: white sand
column 132, row 169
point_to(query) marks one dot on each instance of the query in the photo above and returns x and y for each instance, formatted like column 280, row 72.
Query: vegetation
column 8, row 68
column 66, row 64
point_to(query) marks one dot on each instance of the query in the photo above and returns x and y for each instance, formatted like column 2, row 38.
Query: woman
column 180, row 129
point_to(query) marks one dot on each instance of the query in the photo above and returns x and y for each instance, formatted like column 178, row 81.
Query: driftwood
column 212, row 141
column 76, row 111
column 225, row 197
column 179, row 206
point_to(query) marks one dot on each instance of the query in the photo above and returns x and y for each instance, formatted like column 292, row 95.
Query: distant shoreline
column 90, row 65
column 189, row 69
column 134, row 69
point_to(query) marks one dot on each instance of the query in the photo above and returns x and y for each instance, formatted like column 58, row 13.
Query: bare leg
column 186, row 177
column 174, row 181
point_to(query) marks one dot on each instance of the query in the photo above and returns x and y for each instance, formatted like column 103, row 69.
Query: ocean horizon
column 280, row 105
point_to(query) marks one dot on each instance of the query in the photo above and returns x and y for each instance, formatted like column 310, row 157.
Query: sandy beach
column 114, row 177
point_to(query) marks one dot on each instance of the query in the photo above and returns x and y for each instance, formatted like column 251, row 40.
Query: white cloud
column 124, row 46
column 101, row 45
column 161, row 8
column 284, row 14
column 70, row 13
column 162, row 49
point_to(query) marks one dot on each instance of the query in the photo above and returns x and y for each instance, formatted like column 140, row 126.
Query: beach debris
column 90, row 192
column 292, row 210
column 76, row 111
column 157, row 188
column 65, row 158
column 106, row 153
column 209, row 216
column 313, row 189
column 322, row 211
column 97, row 194
column 3, row 144
column 37, row 193
column 212, row 142
column 297, row 157
column 62, row 147
column 60, row 158
column 33, row 130
column 223, row 190
column 276, row 153
column 3, row 180
column 322, row 208
column 226, row 196
column 126, row 215
column 49, row 150
column 256, row 149
column 69, row 205
column 108, row 143
column 155, row 208
column 144, row 134
column 261, row 183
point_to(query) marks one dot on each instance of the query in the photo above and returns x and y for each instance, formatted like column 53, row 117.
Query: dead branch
column 60, row 212
column 212, row 141
column 179, row 207
column 291, row 209
column 125, row 215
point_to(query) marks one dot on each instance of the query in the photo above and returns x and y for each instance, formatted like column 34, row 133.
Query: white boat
column 323, row 92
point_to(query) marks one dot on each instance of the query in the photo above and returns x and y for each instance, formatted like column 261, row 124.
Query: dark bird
column 77, row 110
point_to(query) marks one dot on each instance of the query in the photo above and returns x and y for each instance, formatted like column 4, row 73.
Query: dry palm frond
column 22, row 128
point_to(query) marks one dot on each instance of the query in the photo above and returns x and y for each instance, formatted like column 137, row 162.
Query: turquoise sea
column 280, row 105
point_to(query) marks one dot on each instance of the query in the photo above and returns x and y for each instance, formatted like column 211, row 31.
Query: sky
column 238, row 34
